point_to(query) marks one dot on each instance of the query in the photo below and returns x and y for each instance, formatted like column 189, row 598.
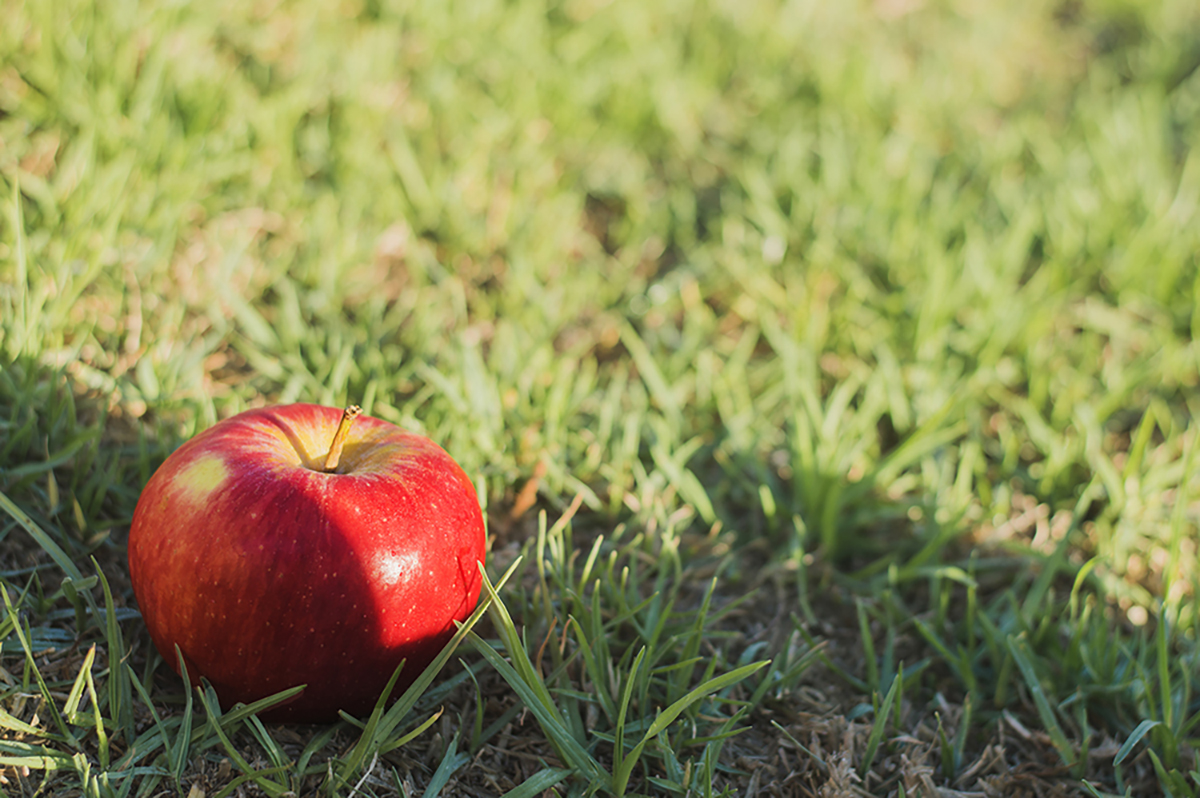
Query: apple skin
column 269, row 573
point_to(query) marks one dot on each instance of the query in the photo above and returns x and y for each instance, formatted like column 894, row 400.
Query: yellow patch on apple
column 197, row 482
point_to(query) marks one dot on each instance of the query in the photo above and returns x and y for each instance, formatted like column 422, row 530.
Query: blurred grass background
column 890, row 303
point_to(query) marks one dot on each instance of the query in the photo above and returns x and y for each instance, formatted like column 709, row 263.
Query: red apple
column 268, row 571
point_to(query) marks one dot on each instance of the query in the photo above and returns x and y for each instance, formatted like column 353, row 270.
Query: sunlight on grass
column 830, row 369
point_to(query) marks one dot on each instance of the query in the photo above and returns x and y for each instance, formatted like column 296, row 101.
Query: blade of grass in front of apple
column 217, row 723
column 409, row 736
column 242, row 712
column 381, row 724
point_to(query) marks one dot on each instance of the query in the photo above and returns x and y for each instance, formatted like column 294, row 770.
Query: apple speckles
column 391, row 568
column 201, row 478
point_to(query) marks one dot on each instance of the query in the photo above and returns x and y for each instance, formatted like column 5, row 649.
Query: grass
column 828, row 371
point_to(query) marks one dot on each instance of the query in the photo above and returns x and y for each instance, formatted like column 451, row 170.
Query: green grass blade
column 242, row 712
column 598, row 677
column 261, row 778
column 120, row 694
column 670, row 714
column 452, row 760
column 143, row 745
column 1173, row 782
column 408, row 737
column 36, row 757
column 623, row 710
column 551, row 723
column 101, row 734
column 864, row 633
column 31, row 664
column 258, row 777
column 19, row 726
column 515, row 647
column 371, row 737
column 880, row 725
column 314, row 747
column 183, row 739
column 1134, row 737
column 1016, row 645
column 47, row 544
column 538, row 783
column 71, row 708
column 1163, row 662
column 381, row 725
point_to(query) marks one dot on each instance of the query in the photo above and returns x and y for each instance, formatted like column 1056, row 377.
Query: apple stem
column 339, row 438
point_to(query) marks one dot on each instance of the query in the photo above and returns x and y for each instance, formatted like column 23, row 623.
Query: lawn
column 828, row 372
